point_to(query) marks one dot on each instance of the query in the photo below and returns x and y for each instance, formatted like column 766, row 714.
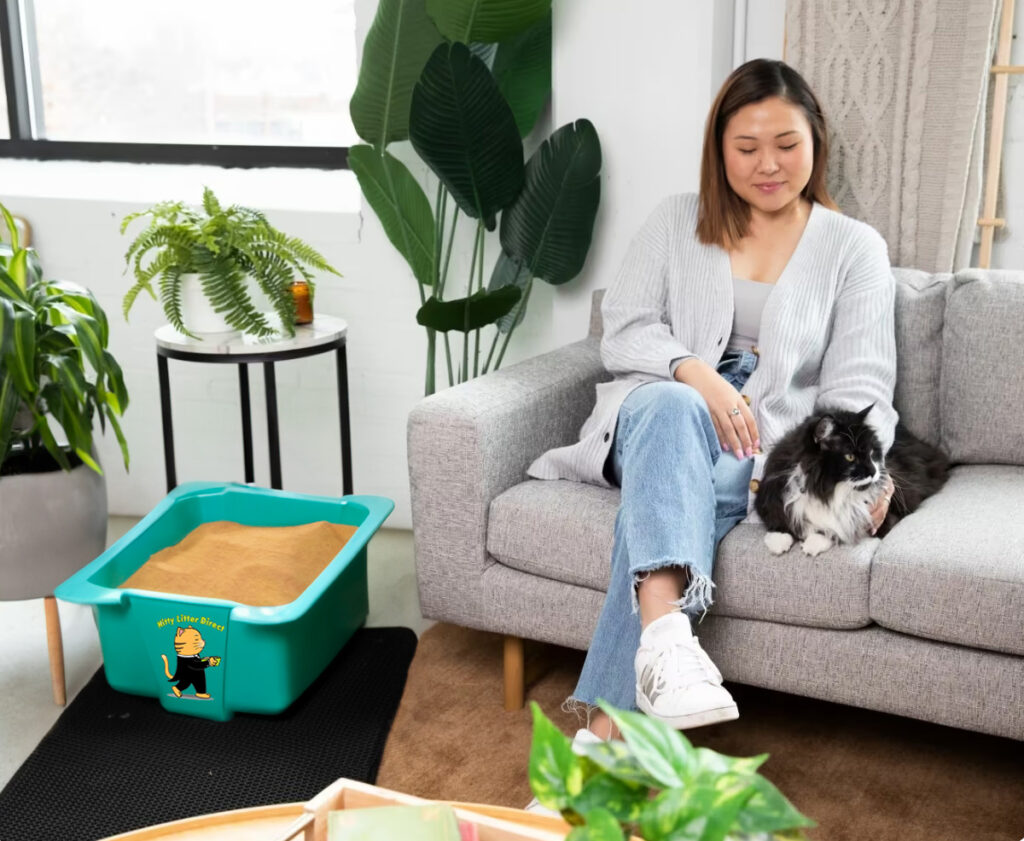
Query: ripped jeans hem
column 696, row 599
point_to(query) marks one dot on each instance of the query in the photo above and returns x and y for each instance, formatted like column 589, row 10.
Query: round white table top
column 324, row 330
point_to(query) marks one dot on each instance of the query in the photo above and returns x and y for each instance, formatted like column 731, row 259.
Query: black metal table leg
column 243, row 387
column 346, row 435
column 168, row 426
column 273, row 435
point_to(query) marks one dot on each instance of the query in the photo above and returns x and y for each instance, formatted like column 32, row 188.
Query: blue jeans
column 679, row 499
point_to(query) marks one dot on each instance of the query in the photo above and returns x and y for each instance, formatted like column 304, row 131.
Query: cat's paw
column 815, row 543
column 778, row 542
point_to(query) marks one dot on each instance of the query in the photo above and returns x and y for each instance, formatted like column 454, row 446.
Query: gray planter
column 51, row 525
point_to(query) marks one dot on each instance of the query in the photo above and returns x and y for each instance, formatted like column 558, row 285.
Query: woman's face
column 769, row 153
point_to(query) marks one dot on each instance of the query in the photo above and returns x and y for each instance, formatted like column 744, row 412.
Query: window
column 245, row 82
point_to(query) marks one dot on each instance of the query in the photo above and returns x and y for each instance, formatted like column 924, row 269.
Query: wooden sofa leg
column 55, row 644
column 515, row 678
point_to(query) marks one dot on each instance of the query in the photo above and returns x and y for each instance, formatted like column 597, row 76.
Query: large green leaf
column 21, row 357
column 551, row 760
column 463, row 128
column 9, row 405
column 6, row 326
column 465, row 314
column 522, row 67
column 485, row 20
column 397, row 46
column 400, row 204
column 510, row 272
column 666, row 754
column 550, row 225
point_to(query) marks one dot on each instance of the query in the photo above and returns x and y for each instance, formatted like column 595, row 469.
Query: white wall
column 643, row 75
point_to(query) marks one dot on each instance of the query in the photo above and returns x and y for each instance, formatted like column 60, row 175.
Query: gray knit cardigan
column 827, row 332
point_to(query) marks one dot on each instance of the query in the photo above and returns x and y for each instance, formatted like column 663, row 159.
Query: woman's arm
column 637, row 338
column 859, row 366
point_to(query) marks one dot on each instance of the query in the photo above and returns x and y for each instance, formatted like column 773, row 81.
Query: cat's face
column 848, row 448
column 188, row 641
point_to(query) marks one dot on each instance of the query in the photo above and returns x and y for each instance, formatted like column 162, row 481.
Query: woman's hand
column 881, row 506
column 733, row 420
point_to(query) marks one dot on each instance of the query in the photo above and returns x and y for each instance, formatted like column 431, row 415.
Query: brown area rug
column 862, row 775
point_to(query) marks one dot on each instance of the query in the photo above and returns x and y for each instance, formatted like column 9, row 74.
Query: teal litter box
column 260, row 659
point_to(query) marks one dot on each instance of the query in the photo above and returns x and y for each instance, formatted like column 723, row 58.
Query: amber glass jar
column 303, row 302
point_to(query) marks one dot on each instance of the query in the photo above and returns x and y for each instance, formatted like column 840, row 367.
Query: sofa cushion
column 954, row 569
column 564, row 531
column 983, row 368
column 556, row 529
column 920, row 305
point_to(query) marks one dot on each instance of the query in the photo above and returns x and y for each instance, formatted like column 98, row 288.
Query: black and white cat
column 823, row 477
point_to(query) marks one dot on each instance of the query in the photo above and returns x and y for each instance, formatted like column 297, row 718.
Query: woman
column 736, row 312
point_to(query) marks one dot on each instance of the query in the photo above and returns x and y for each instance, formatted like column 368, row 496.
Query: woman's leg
column 674, row 510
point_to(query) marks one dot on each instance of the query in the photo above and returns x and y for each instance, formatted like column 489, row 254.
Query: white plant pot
column 197, row 312
column 51, row 525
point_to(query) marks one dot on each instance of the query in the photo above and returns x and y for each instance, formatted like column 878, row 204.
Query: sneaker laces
column 678, row 665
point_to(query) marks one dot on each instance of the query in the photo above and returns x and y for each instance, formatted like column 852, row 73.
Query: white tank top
column 749, row 297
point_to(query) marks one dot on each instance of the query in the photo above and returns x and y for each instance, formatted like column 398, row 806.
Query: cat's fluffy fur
column 823, row 477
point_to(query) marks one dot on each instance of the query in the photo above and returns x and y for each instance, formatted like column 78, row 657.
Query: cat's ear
column 180, row 631
column 863, row 413
column 824, row 429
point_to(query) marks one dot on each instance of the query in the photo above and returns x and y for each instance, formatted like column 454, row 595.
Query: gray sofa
column 928, row 622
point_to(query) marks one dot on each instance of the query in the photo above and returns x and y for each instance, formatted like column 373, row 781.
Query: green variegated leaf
column 551, row 760
column 603, row 791
column 9, row 404
column 465, row 314
column 88, row 333
column 115, row 380
column 69, row 376
column 52, row 447
column 665, row 753
column 6, row 326
column 88, row 460
column 20, row 359
column 110, row 411
column 769, row 811
column 600, row 826
column 9, row 289
column 616, row 758
column 401, row 205
column 671, row 815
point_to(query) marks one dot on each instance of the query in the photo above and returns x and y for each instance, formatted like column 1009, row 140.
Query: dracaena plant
column 54, row 367
column 225, row 246
column 655, row 784
column 465, row 81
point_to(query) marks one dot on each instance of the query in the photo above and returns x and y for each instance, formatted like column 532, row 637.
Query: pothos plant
column 657, row 785
column 465, row 81
column 55, row 367
column 225, row 247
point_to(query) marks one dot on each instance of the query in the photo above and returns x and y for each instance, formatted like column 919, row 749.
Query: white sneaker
column 676, row 682
column 582, row 737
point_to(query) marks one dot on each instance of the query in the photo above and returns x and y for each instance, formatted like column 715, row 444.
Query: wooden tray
column 308, row 821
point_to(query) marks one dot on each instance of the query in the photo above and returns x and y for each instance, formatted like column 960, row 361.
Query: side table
column 326, row 333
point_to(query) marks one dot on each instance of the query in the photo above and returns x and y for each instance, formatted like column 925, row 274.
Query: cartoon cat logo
column 191, row 668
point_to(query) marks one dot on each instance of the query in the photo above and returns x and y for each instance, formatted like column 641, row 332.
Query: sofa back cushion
column 982, row 383
column 920, row 305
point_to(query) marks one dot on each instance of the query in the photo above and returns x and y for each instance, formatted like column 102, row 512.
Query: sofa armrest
column 470, row 443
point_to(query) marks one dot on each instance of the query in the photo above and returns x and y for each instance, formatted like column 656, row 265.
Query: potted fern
column 202, row 262
column 57, row 381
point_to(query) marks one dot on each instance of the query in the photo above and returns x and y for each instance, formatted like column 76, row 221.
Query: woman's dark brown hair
column 723, row 217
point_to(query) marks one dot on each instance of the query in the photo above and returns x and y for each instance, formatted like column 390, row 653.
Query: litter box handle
column 82, row 591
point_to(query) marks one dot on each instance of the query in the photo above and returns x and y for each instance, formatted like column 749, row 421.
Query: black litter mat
column 115, row 762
